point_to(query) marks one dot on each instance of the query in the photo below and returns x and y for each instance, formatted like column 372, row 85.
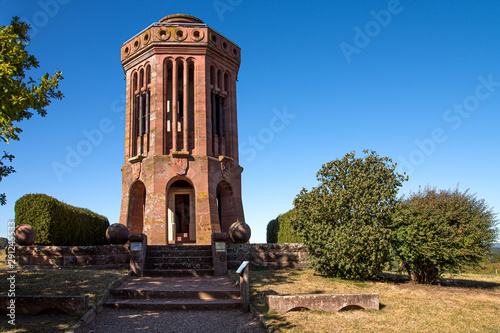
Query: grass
column 47, row 281
column 465, row 303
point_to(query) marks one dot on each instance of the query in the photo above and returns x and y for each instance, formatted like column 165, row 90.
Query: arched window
column 134, row 128
column 141, row 111
column 167, row 107
column 218, row 101
column 178, row 95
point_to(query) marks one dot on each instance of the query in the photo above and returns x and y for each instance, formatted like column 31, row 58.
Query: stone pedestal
column 219, row 253
column 138, row 247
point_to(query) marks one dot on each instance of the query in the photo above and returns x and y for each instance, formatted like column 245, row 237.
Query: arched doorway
column 225, row 206
column 137, row 202
column 181, row 213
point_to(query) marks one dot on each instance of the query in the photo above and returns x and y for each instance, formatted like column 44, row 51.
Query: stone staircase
column 176, row 293
column 179, row 260
column 177, row 278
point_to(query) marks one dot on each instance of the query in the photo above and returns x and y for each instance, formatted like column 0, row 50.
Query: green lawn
column 47, row 281
column 465, row 303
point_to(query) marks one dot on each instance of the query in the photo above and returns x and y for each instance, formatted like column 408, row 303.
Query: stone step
column 173, row 260
column 179, row 272
column 177, row 265
column 178, row 253
column 171, row 248
column 175, row 304
column 174, row 294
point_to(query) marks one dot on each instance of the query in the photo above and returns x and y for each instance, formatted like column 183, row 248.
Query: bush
column 280, row 230
column 437, row 231
column 343, row 220
column 57, row 223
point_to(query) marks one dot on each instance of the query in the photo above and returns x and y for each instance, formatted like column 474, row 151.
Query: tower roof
column 181, row 18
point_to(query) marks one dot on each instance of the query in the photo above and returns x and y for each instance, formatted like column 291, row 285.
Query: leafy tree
column 437, row 231
column 5, row 170
column 20, row 96
column 343, row 220
column 3, row 242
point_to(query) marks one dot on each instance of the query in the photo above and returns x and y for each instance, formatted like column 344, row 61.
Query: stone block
column 41, row 260
column 23, row 250
column 323, row 302
column 118, row 259
column 50, row 250
column 84, row 250
column 22, row 260
column 31, row 305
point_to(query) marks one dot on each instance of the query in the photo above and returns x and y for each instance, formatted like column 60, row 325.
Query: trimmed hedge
column 272, row 231
column 57, row 223
column 279, row 229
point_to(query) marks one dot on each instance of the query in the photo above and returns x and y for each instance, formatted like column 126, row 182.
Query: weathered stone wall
column 292, row 255
column 102, row 256
column 263, row 255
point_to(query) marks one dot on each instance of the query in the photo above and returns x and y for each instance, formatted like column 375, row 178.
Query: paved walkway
column 192, row 321
column 113, row 320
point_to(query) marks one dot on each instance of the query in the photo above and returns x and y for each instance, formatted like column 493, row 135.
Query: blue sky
column 418, row 81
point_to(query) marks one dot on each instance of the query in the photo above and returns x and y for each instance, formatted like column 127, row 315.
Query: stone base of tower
column 180, row 198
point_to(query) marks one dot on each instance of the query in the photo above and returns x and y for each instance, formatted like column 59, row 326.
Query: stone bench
column 31, row 305
column 323, row 302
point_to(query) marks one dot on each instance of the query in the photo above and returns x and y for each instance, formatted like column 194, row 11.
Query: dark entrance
column 181, row 213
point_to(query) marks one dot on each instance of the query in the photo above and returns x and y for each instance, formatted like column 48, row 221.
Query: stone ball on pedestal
column 24, row 234
column 117, row 234
column 239, row 232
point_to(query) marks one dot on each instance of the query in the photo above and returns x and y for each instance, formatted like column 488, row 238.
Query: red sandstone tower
column 181, row 180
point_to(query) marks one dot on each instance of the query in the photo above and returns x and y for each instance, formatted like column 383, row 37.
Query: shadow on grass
column 396, row 278
column 261, row 286
column 53, row 281
column 469, row 284
column 278, row 321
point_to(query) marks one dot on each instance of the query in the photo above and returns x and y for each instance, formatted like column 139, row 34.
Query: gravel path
column 122, row 320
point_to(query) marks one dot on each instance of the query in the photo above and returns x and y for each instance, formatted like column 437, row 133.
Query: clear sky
column 418, row 81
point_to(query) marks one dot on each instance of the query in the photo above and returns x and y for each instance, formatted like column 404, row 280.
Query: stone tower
column 181, row 180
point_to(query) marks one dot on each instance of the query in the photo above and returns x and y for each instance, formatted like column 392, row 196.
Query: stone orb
column 239, row 232
column 24, row 234
column 117, row 234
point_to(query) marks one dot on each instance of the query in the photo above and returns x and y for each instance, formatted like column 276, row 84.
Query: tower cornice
column 173, row 32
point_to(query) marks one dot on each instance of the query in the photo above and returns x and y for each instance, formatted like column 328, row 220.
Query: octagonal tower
column 181, row 180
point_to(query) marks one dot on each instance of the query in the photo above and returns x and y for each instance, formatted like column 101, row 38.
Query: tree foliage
column 437, row 231
column 343, row 220
column 5, row 170
column 20, row 96
column 272, row 231
column 4, row 242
